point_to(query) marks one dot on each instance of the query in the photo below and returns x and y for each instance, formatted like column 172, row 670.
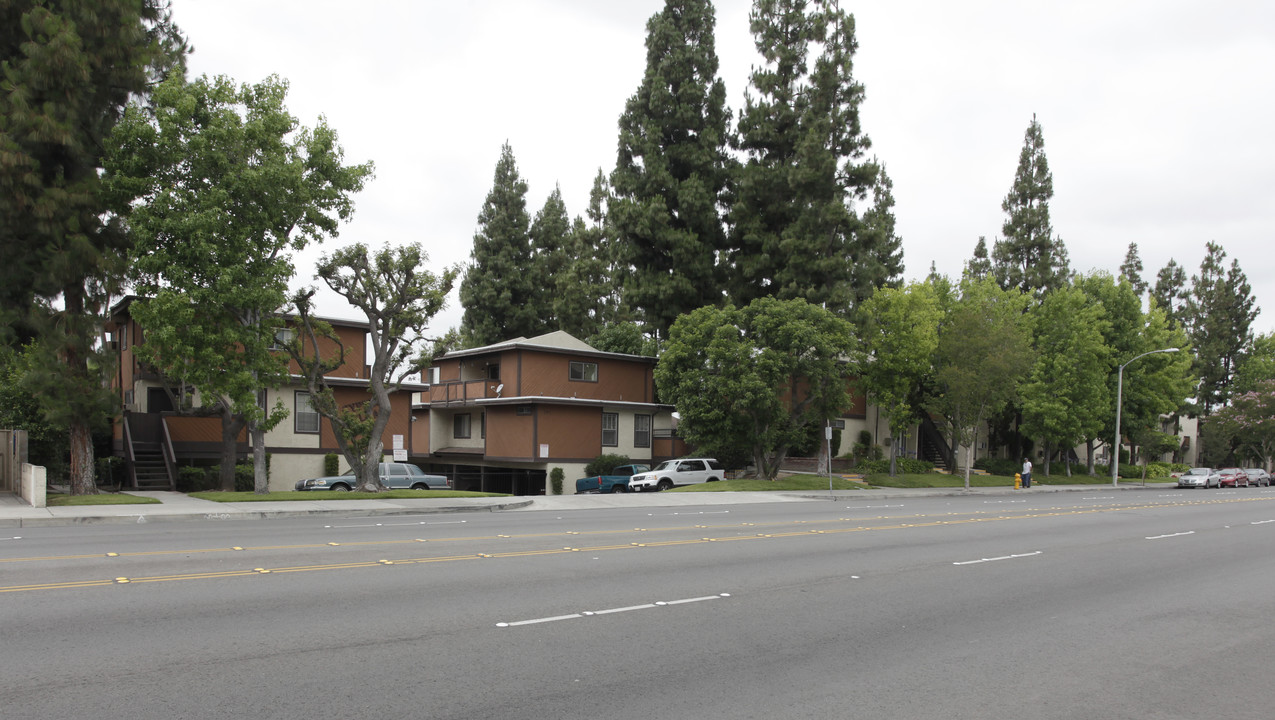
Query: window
column 642, row 431
column 493, row 372
column 482, row 425
column 263, row 400
column 584, row 371
column 282, row 338
column 523, row 410
column 460, row 425
column 430, row 375
column 304, row 418
column 610, row 429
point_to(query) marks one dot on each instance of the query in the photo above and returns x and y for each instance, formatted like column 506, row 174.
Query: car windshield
column 1198, row 471
column 665, row 465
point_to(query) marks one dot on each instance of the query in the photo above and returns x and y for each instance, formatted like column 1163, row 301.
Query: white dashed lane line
column 630, row 608
column 995, row 559
column 1171, row 535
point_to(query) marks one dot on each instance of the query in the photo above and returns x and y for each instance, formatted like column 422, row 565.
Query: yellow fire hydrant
column 1018, row 481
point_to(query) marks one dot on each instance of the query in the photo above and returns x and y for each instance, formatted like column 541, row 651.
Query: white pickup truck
column 686, row 471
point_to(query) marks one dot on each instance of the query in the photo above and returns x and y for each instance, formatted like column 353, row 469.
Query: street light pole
column 1115, row 447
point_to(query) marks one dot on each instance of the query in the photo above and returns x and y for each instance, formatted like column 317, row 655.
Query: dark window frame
column 468, row 422
column 580, row 368
column 638, row 432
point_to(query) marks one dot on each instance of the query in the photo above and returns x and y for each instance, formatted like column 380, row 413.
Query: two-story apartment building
column 155, row 439
column 499, row 418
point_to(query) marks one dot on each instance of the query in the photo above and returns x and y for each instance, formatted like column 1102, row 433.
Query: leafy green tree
column 672, row 171
column 1171, row 291
column 1030, row 257
column 756, row 377
column 900, row 335
column 795, row 234
column 227, row 184
column 399, row 297
column 984, row 353
column 1065, row 399
column 1257, row 364
column 497, row 291
column 1220, row 312
column 587, row 295
column 1248, row 422
column 1131, row 270
column 624, row 337
column 20, row 410
column 67, row 70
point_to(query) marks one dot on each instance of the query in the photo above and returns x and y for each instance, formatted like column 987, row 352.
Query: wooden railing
column 170, row 456
column 131, row 461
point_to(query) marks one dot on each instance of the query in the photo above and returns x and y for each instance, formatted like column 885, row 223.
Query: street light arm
column 1115, row 446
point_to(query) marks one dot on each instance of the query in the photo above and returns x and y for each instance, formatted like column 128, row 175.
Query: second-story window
column 610, row 429
column 282, row 338
column 584, row 371
column 460, row 425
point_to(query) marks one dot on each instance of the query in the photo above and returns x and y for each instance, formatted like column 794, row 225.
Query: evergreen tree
column 1030, row 257
column 672, row 171
column 1170, row 292
column 550, row 240
column 67, row 70
column 1220, row 312
column 979, row 266
column 586, row 296
column 1131, row 270
column 497, row 289
column 877, row 261
column 795, row 232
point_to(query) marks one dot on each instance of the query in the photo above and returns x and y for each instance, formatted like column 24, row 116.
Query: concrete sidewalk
column 173, row 506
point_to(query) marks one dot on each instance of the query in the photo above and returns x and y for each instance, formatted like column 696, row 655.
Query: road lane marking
column 870, row 507
column 997, row 558
column 412, row 524
column 1262, row 522
column 1171, row 535
column 612, row 611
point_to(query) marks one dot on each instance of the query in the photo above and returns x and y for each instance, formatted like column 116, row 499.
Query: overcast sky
column 1156, row 114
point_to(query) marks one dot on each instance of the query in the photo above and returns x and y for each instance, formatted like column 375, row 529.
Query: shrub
column 244, row 481
column 905, row 466
column 193, row 478
column 998, row 466
column 331, row 464
column 112, row 470
column 604, row 464
column 555, row 480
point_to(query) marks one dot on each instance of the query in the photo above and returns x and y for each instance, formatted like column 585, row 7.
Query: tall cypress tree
column 1030, row 257
column 550, row 240
column 1220, row 312
column 877, row 260
column 980, row 265
column 672, row 170
column 69, row 67
column 586, row 296
column 1131, row 269
column 795, row 234
column 497, row 289
column 1170, row 293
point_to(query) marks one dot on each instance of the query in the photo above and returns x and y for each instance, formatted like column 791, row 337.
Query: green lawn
column 216, row 496
column 63, row 500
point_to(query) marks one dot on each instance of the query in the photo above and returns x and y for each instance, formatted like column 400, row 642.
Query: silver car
column 1258, row 477
column 1200, row 477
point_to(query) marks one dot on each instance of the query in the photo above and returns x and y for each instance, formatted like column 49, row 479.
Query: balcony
column 462, row 392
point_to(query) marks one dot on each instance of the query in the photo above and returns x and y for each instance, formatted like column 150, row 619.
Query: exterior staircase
column 933, row 447
column 149, row 467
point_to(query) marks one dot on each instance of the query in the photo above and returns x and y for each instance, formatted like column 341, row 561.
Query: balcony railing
column 462, row 391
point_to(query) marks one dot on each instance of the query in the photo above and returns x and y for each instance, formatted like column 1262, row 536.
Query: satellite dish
column 499, row 388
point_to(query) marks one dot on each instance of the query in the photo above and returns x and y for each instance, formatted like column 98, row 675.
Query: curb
column 142, row 518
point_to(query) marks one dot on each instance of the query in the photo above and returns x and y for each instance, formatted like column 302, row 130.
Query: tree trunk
column 969, row 463
column 83, row 475
column 1089, row 458
column 1049, row 454
column 230, row 427
column 260, row 481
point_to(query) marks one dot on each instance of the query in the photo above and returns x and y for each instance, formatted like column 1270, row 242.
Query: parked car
column 1258, row 477
column 1232, row 477
column 686, row 471
column 617, row 481
column 396, row 476
column 1199, row 477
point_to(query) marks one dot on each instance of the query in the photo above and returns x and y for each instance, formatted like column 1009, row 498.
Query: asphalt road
column 1140, row 605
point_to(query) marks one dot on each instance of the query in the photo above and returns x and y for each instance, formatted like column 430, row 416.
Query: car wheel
column 618, row 489
column 665, row 484
column 340, row 488
column 714, row 479
column 420, row 486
